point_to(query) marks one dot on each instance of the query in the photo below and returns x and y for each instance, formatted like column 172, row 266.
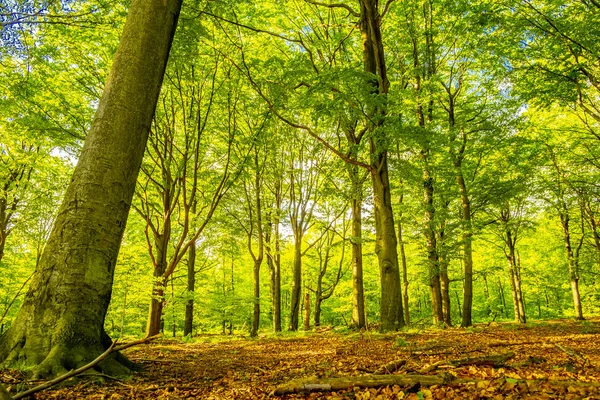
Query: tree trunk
column 191, row 285
column 307, row 312
column 502, row 298
column 572, row 264
column 274, row 266
column 154, row 323
column 445, row 290
column 391, row 313
column 256, row 308
column 296, row 284
column 60, row 325
column 358, row 293
column 515, row 276
column 486, row 294
column 274, row 259
column 318, row 302
column 432, row 253
column 467, row 239
column 404, row 272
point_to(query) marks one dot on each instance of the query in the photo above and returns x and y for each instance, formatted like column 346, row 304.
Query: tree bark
column 296, row 284
column 391, row 312
column 274, row 257
column 515, row 276
column 60, row 325
column 572, row 262
column 467, row 239
column 188, row 324
column 432, row 252
column 404, row 272
column 307, row 312
column 358, row 293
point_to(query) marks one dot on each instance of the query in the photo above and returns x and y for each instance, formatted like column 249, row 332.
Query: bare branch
column 335, row 5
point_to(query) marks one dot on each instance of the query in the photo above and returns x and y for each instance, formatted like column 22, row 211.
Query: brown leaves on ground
column 554, row 360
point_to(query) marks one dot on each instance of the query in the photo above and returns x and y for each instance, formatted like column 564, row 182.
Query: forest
column 363, row 177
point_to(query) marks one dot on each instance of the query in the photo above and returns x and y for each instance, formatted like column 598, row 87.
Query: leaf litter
column 549, row 360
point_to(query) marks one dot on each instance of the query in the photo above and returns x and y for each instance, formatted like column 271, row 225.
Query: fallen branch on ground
column 390, row 367
column 4, row 395
column 313, row 384
column 364, row 381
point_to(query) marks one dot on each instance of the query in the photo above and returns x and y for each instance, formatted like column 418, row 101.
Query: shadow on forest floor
column 554, row 359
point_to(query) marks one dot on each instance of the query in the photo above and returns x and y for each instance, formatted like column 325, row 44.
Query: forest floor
column 552, row 359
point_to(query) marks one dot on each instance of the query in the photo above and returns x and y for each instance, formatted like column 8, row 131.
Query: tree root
column 57, row 361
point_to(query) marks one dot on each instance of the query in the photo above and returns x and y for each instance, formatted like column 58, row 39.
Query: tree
column 61, row 323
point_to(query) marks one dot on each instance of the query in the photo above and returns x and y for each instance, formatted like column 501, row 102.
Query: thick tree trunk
column 188, row 324
column 61, row 323
column 296, row 284
column 358, row 293
column 391, row 313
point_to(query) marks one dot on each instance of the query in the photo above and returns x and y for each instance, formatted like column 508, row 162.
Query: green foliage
column 251, row 78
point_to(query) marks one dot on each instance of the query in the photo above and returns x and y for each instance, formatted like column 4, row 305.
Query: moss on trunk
column 60, row 325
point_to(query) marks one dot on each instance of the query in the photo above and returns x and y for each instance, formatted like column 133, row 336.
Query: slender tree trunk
column 318, row 302
column 154, row 323
column 572, row 262
column 274, row 259
column 467, row 239
column 60, row 325
column 502, row 298
column 358, row 294
column 515, row 276
column 258, row 259
column 486, row 293
column 191, row 286
column 256, row 308
column 296, row 284
column 307, row 312
column 445, row 289
column 432, row 253
column 404, row 272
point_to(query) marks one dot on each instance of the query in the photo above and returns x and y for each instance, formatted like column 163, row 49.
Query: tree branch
column 335, row 5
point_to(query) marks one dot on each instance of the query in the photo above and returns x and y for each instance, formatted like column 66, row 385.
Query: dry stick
column 113, row 347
